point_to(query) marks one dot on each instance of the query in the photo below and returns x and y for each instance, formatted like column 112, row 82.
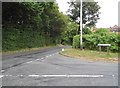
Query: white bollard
column 63, row 49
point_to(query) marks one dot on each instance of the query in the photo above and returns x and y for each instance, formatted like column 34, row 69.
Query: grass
column 91, row 55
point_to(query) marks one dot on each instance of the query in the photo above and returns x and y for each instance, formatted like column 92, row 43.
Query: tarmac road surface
column 49, row 68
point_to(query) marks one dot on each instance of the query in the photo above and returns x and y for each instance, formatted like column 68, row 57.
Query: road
column 49, row 68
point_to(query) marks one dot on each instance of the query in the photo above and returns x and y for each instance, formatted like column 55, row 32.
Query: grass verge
column 90, row 55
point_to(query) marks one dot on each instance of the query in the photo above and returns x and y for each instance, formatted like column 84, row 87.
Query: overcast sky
column 109, row 12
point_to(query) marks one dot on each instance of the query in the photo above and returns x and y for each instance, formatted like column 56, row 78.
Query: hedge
column 91, row 41
column 16, row 39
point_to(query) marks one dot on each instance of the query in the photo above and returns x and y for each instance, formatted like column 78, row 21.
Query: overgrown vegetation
column 69, row 33
column 76, row 41
column 101, row 36
column 90, row 16
column 31, row 24
column 15, row 39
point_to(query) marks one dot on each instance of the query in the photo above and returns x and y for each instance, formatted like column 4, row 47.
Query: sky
column 108, row 16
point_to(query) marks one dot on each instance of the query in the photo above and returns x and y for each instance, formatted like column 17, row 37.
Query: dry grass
column 91, row 55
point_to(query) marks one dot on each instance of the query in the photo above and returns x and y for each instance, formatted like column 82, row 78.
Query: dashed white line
column 50, row 55
column 37, row 59
column 19, row 76
column 7, row 75
column 29, row 61
column 42, row 58
column 1, row 76
column 53, row 75
column 33, row 75
column 46, row 56
column 2, row 71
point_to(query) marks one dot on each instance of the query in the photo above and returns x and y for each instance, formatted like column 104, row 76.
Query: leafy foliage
column 101, row 36
column 76, row 41
column 70, row 31
column 86, row 30
column 90, row 12
column 31, row 24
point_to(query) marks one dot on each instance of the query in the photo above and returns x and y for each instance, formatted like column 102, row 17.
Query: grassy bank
column 91, row 55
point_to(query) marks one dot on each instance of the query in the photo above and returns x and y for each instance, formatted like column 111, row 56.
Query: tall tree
column 26, row 23
column 90, row 12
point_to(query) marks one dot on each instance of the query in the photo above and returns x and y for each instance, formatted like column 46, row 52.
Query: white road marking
column 33, row 75
column 37, row 59
column 68, row 76
column 1, row 76
column 29, row 61
column 42, row 58
column 8, row 75
column 114, row 80
column 57, row 76
column 75, row 76
column 88, row 76
column 63, row 49
column 19, row 75
column 53, row 76
column 50, row 55
column 47, row 56
column 2, row 71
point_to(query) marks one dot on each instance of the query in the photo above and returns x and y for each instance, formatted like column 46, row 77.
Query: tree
column 31, row 24
column 87, row 30
column 90, row 12
column 70, row 32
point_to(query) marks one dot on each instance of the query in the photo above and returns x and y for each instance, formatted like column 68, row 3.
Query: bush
column 91, row 41
column 87, row 30
column 102, row 31
column 15, row 39
column 76, row 41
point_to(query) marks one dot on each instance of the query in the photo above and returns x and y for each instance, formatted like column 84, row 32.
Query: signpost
column 108, row 45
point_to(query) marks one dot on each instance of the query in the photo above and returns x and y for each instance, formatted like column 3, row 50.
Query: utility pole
column 81, row 25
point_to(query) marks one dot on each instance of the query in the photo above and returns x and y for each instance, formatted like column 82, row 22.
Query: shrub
column 87, row 30
column 102, row 31
column 15, row 39
column 91, row 41
column 76, row 41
